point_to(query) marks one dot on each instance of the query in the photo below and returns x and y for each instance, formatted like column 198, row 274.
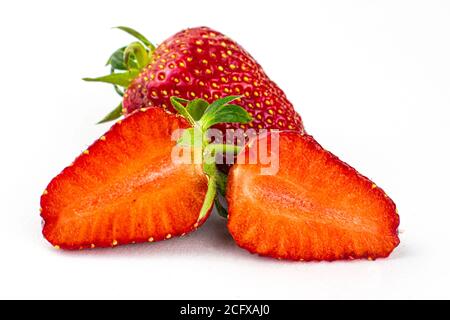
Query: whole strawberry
column 197, row 63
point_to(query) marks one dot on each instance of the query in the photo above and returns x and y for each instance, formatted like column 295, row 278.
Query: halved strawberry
column 125, row 188
column 315, row 207
column 128, row 186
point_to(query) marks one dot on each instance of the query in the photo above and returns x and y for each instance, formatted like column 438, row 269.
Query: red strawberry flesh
column 315, row 208
column 125, row 188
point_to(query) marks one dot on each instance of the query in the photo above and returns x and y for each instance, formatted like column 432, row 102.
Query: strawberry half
column 315, row 208
column 197, row 63
column 127, row 188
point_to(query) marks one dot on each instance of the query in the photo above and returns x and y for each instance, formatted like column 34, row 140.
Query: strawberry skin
column 316, row 208
column 125, row 188
column 202, row 63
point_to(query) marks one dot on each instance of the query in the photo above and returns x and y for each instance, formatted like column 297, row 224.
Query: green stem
column 223, row 148
column 218, row 112
column 209, row 198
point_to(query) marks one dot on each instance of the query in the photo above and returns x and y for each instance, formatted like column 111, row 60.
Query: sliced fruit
column 315, row 207
column 125, row 188
column 151, row 177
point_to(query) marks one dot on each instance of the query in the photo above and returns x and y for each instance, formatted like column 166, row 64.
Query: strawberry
column 127, row 188
column 198, row 63
column 315, row 208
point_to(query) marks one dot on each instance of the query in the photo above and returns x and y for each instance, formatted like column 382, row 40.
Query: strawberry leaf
column 176, row 103
column 220, row 209
column 221, row 182
column 180, row 100
column 119, row 91
column 138, row 36
column 226, row 114
column 113, row 115
column 116, row 61
column 197, row 108
column 219, row 103
column 121, row 79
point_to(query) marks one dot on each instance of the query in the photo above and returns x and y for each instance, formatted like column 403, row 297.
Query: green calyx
column 202, row 116
column 125, row 65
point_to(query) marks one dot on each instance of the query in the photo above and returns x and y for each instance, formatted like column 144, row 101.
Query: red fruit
column 125, row 188
column 315, row 208
column 203, row 63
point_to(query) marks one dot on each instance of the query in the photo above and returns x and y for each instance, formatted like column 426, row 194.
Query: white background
column 371, row 80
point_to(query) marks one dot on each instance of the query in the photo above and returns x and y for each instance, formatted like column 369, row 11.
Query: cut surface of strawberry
column 125, row 188
column 136, row 184
column 314, row 208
